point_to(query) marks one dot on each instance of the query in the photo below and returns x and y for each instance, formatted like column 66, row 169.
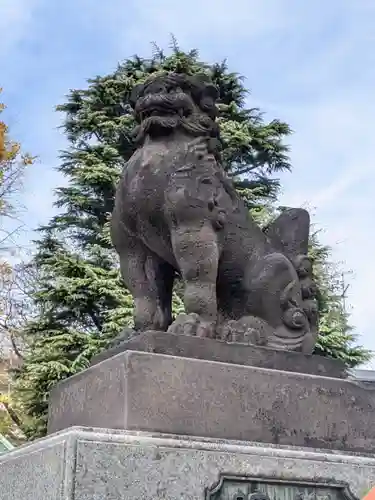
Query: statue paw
column 309, row 342
column 126, row 334
column 247, row 330
column 192, row 324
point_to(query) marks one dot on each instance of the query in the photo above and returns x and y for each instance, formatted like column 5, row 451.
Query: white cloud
column 15, row 19
column 213, row 25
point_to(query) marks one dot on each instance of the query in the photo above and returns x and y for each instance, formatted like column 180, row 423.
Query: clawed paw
column 126, row 334
column 246, row 330
column 192, row 324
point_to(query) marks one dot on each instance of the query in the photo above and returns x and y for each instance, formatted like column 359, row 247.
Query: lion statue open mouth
column 170, row 102
column 176, row 211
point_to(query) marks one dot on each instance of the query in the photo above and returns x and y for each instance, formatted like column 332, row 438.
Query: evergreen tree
column 81, row 300
column 336, row 338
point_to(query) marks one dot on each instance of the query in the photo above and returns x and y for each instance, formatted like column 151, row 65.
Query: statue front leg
column 196, row 251
column 150, row 281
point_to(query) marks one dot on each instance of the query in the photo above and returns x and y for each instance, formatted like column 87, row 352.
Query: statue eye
column 239, row 496
column 155, row 88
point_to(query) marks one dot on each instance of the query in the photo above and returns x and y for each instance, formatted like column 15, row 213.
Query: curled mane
column 169, row 102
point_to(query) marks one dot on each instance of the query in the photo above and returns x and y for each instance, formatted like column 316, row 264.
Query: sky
column 311, row 64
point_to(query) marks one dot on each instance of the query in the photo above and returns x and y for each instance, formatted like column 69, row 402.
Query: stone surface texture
column 177, row 212
column 187, row 346
column 94, row 464
column 162, row 393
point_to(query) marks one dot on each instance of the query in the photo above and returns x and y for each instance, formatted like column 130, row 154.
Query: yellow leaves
column 28, row 159
column 3, row 150
column 13, row 151
column 3, row 130
column 9, row 150
column 5, row 270
column 4, row 398
column 5, row 420
column 9, row 154
column 2, row 106
column 5, row 423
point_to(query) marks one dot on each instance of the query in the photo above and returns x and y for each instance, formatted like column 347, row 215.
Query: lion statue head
column 170, row 102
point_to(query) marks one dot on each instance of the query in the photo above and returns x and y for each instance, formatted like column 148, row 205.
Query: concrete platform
column 185, row 396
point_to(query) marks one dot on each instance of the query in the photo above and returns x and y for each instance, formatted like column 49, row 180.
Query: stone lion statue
column 177, row 213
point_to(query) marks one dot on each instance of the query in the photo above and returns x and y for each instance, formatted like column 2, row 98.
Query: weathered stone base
column 143, row 391
column 187, row 346
column 95, row 464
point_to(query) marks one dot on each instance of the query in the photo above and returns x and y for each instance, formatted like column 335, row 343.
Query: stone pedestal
column 186, row 346
column 93, row 464
column 162, row 393
column 265, row 433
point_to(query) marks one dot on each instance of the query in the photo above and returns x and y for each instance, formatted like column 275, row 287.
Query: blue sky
column 311, row 64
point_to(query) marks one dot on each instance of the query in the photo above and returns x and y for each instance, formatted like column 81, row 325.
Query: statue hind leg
column 150, row 281
column 289, row 234
column 275, row 296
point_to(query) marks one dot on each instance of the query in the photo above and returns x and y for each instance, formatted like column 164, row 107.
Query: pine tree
column 81, row 300
column 336, row 338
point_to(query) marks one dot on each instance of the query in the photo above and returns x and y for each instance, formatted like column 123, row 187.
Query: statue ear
column 211, row 91
column 135, row 94
column 203, row 87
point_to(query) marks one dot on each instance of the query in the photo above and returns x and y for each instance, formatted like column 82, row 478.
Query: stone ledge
column 215, row 350
column 161, row 393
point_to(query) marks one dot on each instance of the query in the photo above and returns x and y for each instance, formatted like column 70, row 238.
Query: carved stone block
column 87, row 464
column 154, row 392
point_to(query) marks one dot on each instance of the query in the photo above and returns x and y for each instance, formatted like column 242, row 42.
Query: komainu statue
column 177, row 213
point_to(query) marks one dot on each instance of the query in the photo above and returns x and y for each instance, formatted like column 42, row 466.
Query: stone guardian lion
column 177, row 213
